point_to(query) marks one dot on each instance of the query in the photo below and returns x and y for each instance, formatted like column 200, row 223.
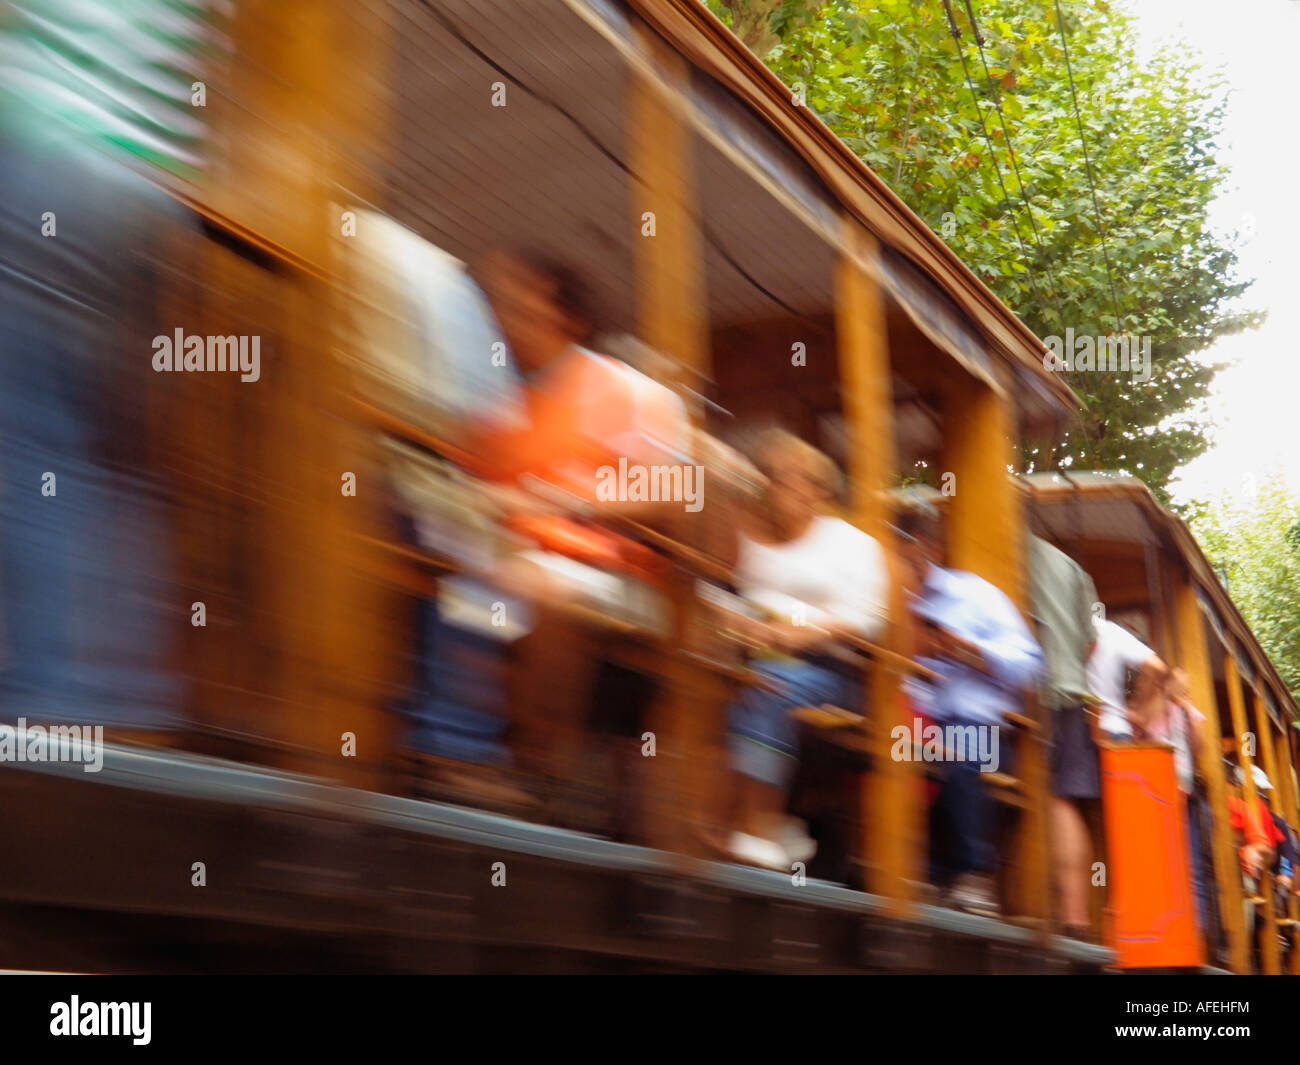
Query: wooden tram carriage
column 768, row 234
column 1152, row 575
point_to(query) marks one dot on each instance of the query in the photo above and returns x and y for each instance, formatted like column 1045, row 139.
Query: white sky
column 1256, row 402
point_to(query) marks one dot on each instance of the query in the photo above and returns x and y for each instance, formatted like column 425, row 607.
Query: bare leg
column 1072, row 846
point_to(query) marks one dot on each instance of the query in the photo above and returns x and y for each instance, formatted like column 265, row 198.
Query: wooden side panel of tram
column 1153, row 907
column 672, row 317
column 290, row 667
column 889, row 798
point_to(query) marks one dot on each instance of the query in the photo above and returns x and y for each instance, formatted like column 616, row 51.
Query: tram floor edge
column 167, row 862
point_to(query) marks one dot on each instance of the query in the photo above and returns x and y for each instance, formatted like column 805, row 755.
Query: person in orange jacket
column 1254, row 828
column 1257, row 836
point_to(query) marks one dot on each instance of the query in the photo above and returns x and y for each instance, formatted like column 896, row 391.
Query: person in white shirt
column 812, row 579
column 1180, row 725
column 1116, row 653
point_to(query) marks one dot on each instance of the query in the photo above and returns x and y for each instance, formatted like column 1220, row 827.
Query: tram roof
column 773, row 183
column 696, row 33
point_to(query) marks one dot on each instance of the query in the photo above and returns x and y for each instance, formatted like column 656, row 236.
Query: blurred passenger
column 533, row 416
column 734, row 483
column 1280, row 865
column 93, row 101
column 1116, row 657
column 591, row 417
column 812, row 579
column 1257, row 836
column 1063, row 595
column 974, row 638
column 437, row 346
column 1285, row 864
column 1179, row 725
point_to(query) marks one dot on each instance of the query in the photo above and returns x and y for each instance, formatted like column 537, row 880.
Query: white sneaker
column 973, row 892
column 793, row 837
column 754, row 850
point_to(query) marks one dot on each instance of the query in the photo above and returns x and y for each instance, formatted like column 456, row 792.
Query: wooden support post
column 986, row 534
column 1271, row 951
column 985, row 527
column 1267, row 751
column 1161, row 638
column 1284, row 782
column 307, row 617
column 1277, row 801
column 672, row 317
column 1195, row 658
column 893, row 826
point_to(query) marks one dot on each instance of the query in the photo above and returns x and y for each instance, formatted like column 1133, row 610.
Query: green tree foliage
column 887, row 76
column 1255, row 546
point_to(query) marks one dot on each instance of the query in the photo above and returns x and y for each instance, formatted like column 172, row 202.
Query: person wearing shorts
column 1063, row 595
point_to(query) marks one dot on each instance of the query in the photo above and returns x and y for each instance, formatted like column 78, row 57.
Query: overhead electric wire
column 1015, row 166
column 1096, row 205
column 979, row 43
column 1006, row 198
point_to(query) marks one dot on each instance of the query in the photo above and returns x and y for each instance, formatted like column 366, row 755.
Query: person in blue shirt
column 975, row 640
column 89, row 585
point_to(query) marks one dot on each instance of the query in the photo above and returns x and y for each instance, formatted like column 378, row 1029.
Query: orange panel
column 1152, row 904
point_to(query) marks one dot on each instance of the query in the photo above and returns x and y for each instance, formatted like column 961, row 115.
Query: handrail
column 396, row 425
column 891, row 660
column 240, row 233
column 420, row 556
column 683, row 554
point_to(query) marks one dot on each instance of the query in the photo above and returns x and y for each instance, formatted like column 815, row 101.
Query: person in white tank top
column 810, row 579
